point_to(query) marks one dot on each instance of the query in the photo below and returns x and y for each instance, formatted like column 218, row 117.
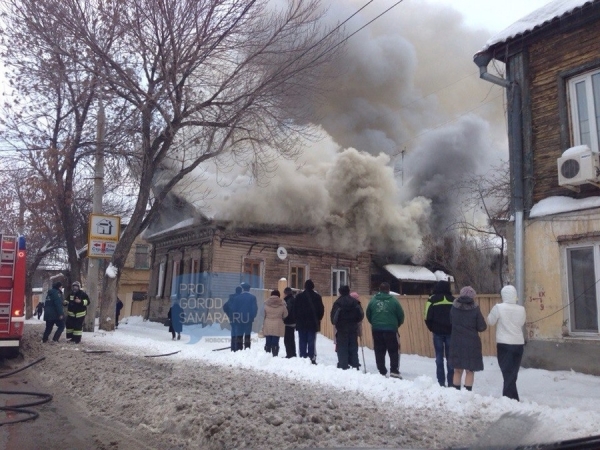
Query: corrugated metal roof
column 538, row 18
column 405, row 272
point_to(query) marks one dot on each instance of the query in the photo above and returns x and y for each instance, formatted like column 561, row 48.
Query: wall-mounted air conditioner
column 578, row 165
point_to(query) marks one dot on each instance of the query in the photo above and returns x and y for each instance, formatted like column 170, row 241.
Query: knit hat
column 468, row 291
column 355, row 295
column 76, row 283
column 509, row 294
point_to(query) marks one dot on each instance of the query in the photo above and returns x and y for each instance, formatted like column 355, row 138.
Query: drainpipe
column 515, row 125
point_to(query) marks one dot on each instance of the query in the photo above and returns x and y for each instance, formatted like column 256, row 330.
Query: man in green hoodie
column 385, row 314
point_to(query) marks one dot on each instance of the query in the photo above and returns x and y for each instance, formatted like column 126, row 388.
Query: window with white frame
column 584, row 95
column 141, row 256
column 339, row 277
column 161, row 279
column 583, row 272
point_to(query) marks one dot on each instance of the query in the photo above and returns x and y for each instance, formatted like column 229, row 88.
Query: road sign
column 101, row 249
column 106, row 228
column 103, row 235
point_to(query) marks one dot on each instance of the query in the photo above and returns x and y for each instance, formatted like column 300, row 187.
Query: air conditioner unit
column 578, row 165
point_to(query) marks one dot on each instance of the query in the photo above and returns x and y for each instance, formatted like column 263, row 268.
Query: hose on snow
column 19, row 408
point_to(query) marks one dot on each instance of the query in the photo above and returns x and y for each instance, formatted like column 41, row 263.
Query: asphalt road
column 62, row 423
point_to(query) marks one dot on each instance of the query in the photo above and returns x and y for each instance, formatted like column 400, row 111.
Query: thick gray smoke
column 405, row 85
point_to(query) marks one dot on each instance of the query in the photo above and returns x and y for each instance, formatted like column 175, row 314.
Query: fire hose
column 20, row 408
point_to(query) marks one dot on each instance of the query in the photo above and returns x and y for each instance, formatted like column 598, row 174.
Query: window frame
column 592, row 108
column 338, row 282
column 162, row 272
column 146, row 265
column 568, row 286
column 300, row 283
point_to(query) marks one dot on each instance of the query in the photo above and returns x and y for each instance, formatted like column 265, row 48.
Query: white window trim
column 574, row 113
column 339, row 269
column 161, row 279
column 567, row 285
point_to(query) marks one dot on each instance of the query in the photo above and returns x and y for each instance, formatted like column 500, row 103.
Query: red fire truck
column 12, row 293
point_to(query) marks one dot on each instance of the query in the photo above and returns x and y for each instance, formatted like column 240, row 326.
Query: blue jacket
column 53, row 305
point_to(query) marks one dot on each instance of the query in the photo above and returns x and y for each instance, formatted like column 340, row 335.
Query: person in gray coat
column 465, row 343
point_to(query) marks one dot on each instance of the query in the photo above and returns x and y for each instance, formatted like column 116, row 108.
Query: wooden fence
column 415, row 338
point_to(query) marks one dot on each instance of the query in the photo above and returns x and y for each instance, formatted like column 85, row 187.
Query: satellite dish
column 281, row 253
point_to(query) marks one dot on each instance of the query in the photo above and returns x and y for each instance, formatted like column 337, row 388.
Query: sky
column 493, row 15
column 556, row 405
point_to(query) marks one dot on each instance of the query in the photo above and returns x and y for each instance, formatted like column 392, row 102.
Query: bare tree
column 473, row 248
column 204, row 80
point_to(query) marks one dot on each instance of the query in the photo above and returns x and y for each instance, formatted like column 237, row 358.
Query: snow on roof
column 405, row 272
column 557, row 205
column 536, row 19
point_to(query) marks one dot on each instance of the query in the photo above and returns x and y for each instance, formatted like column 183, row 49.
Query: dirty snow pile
column 200, row 398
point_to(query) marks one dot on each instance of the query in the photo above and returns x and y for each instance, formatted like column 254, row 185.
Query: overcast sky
column 495, row 15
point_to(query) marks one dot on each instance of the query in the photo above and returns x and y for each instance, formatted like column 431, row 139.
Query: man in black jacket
column 53, row 312
column 76, row 311
column 346, row 313
column 437, row 319
column 289, row 339
column 308, row 310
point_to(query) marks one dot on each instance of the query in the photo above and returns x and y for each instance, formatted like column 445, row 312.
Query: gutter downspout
column 482, row 59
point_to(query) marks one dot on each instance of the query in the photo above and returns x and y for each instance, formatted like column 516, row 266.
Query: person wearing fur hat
column 509, row 318
column 76, row 311
column 273, row 326
column 465, row 344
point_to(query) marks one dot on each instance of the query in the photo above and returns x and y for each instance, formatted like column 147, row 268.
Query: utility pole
column 94, row 263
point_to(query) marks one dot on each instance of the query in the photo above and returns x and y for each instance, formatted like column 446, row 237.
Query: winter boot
column 178, row 336
column 468, row 388
column 268, row 348
column 276, row 351
column 457, row 387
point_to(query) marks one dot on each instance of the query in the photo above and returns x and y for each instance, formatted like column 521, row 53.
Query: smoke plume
column 405, row 117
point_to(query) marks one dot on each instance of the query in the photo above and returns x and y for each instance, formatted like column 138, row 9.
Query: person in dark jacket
column 241, row 309
column 53, row 312
column 76, row 311
column 385, row 314
column 119, row 307
column 234, row 326
column 289, row 339
column 465, row 343
column 39, row 309
column 437, row 319
column 174, row 316
column 308, row 310
column 346, row 313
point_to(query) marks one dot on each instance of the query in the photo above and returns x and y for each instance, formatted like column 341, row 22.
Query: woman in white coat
column 509, row 319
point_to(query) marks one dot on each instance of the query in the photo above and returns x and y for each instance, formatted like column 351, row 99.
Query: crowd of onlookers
column 455, row 324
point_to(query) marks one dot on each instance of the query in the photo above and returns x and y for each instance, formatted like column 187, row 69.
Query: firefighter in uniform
column 77, row 308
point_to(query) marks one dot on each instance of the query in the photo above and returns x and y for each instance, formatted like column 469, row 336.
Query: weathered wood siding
column 230, row 250
column 415, row 338
column 551, row 62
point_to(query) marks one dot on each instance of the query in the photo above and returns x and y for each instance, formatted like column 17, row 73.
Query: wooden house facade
column 227, row 256
column 552, row 83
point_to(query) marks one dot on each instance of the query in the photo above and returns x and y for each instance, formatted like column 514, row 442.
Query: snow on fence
column 415, row 338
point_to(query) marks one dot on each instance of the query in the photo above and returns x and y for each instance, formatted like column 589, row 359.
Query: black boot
column 267, row 349
column 275, row 351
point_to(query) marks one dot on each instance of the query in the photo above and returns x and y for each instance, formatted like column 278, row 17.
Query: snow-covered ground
column 554, row 405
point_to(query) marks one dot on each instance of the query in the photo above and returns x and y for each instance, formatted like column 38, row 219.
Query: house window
column 176, row 278
column 584, row 93
column 141, row 257
column 339, row 277
column 161, row 279
column 583, row 270
column 297, row 276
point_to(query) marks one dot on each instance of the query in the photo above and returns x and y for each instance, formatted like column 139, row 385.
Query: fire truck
column 12, row 293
